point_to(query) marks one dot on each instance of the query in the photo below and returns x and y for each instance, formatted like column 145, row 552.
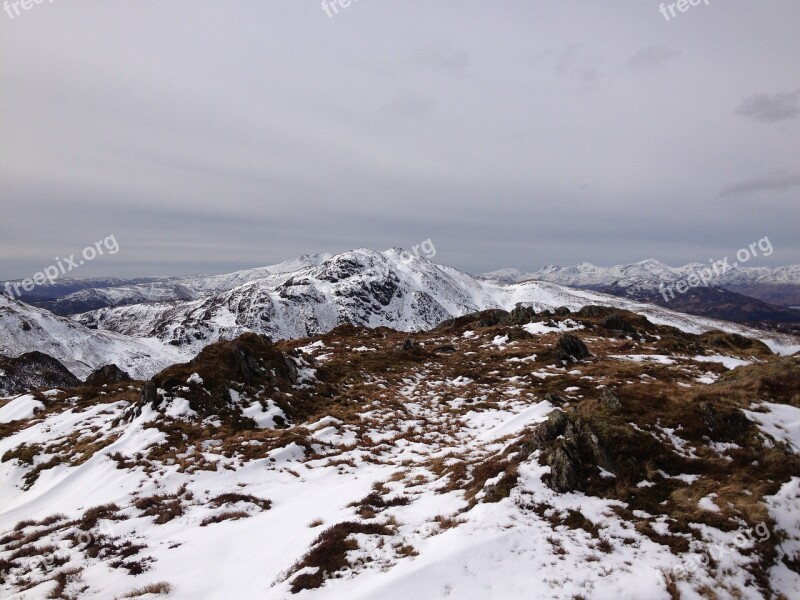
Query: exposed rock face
column 571, row 347
column 107, row 375
column 726, row 424
column 520, row 315
column 617, row 323
column 571, row 448
column 31, row 371
column 483, row 318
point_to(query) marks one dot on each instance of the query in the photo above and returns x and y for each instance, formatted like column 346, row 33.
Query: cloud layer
column 214, row 136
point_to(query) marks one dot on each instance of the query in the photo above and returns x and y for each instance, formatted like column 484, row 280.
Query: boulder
column 571, row 347
column 106, row 375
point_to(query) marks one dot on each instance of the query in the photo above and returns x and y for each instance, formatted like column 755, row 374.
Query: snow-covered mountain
column 765, row 297
column 649, row 274
column 394, row 288
column 24, row 328
column 73, row 296
column 157, row 325
column 572, row 450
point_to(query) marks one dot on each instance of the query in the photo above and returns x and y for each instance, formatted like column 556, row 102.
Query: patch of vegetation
column 328, row 554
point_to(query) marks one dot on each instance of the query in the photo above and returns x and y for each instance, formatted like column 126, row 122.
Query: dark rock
column 571, row 347
column 31, row 371
column 409, row 346
column 106, row 375
column 447, row 349
column 554, row 399
column 724, row 424
column 571, row 448
column 150, row 394
column 521, row 315
column 490, row 318
column 563, row 463
column 614, row 319
column 618, row 323
column 562, row 311
column 593, row 311
column 484, row 318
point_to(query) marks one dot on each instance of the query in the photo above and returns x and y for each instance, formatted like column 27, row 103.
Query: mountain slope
column 24, row 328
column 62, row 300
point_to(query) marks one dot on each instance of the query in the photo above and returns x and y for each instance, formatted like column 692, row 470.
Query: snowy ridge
column 646, row 274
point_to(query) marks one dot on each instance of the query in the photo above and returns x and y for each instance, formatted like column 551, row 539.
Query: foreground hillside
column 589, row 454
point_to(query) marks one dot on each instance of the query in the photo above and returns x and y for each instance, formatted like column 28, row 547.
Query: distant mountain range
column 761, row 296
column 650, row 273
column 147, row 325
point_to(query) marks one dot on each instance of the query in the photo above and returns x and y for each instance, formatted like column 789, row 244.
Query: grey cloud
column 223, row 143
column 409, row 104
column 650, row 57
column 575, row 61
column 439, row 56
column 770, row 109
column 775, row 182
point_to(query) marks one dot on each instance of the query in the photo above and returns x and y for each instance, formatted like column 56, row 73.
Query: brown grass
column 328, row 554
column 161, row 588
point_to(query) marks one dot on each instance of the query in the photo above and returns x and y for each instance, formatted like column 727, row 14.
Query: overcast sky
column 210, row 136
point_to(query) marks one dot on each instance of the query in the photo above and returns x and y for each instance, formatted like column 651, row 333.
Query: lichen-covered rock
column 571, row 448
column 609, row 400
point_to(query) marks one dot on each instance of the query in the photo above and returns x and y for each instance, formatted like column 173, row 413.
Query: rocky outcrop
column 609, row 401
column 33, row 370
column 571, row 448
column 107, row 375
column 215, row 380
column 571, row 347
